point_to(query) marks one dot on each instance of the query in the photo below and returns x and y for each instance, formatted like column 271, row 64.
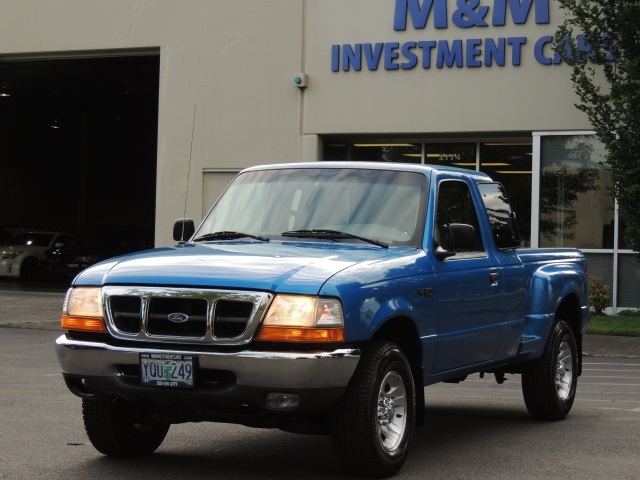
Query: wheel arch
column 556, row 291
column 551, row 285
column 570, row 311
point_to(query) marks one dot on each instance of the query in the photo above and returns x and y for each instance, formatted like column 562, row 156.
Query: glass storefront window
column 576, row 207
column 507, row 163
column 373, row 152
column 461, row 155
column 335, row 151
column 386, row 152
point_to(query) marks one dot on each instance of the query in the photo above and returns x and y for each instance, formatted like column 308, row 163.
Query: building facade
column 470, row 83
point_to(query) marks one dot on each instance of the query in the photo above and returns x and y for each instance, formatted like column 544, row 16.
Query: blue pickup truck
column 323, row 298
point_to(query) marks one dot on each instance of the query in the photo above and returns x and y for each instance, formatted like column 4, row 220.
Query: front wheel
column 373, row 424
column 549, row 383
column 119, row 428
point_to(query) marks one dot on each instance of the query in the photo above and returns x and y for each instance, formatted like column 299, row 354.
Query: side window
column 455, row 205
column 503, row 224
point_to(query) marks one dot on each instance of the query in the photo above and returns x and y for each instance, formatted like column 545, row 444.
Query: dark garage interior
column 78, row 144
column 78, row 141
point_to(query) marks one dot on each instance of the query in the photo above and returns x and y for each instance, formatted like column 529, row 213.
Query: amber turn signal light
column 292, row 334
column 85, row 324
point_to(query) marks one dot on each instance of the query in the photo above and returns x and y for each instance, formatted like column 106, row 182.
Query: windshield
column 387, row 206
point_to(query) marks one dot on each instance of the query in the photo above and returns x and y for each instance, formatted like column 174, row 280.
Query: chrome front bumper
column 275, row 370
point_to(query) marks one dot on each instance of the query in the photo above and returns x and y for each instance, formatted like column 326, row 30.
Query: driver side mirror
column 460, row 237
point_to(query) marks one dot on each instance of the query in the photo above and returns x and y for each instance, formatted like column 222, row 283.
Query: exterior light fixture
column 4, row 90
column 300, row 80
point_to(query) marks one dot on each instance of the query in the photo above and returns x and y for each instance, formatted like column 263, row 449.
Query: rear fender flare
column 551, row 284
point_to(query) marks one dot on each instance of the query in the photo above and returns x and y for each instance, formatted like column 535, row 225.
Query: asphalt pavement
column 477, row 429
column 40, row 308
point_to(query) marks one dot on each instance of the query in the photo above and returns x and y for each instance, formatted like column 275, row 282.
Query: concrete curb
column 611, row 346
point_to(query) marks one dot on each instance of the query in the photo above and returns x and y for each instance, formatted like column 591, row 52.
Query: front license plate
column 167, row 370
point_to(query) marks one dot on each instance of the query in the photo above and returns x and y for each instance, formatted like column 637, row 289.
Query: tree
column 600, row 40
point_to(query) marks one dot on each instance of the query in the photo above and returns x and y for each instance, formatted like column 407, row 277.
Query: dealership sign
column 460, row 53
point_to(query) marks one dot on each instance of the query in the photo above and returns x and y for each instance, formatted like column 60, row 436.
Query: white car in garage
column 21, row 254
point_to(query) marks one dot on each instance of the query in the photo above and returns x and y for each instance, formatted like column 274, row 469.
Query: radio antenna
column 193, row 126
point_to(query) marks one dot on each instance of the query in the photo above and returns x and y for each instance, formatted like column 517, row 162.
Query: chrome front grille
column 191, row 316
column 183, row 315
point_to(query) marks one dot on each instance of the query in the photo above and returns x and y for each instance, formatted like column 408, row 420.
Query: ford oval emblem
column 178, row 317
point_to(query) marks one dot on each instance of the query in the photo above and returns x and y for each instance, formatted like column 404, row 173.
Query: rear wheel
column 119, row 428
column 373, row 424
column 549, row 383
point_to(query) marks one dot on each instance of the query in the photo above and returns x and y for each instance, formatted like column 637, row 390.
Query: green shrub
column 599, row 296
column 629, row 313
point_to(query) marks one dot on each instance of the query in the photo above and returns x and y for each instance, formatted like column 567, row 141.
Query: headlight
column 10, row 255
column 300, row 318
column 82, row 310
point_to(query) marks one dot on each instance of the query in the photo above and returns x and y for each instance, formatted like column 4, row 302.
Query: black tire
column 119, row 428
column 549, row 383
column 373, row 424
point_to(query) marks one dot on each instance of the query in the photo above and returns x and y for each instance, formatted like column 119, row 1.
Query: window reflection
column 510, row 164
column 576, row 208
column 505, row 233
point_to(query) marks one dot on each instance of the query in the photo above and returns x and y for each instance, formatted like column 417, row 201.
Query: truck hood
column 275, row 266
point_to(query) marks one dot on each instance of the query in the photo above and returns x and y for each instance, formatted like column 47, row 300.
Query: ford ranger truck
column 323, row 298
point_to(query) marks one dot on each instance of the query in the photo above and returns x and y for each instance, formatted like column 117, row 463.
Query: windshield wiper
column 228, row 235
column 331, row 234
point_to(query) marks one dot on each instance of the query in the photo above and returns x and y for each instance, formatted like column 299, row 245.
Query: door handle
column 494, row 277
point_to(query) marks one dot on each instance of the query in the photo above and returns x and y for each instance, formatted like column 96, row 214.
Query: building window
column 396, row 152
column 461, row 155
column 507, row 162
column 576, row 206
